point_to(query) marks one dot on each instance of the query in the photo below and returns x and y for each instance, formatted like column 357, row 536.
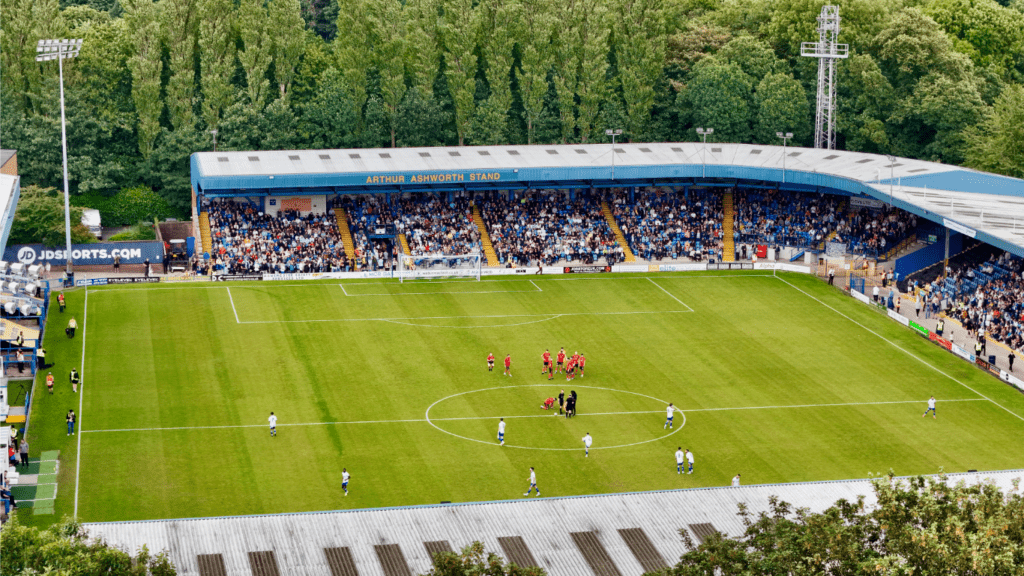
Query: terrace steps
column 728, row 213
column 485, row 238
column 404, row 243
column 204, row 231
column 627, row 253
column 346, row 233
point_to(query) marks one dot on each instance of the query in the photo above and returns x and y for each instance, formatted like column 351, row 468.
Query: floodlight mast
column 786, row 136
column 613, row 134
column 60, row 50
column 703, row 151
column 828, row 51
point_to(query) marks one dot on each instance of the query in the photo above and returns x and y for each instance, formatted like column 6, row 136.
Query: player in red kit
column 508, row 365
column 561, row 360
column 490, row 362
column 570, row 369
column 546, row 357
column 583, row 364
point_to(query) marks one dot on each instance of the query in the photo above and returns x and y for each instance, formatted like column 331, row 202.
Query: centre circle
column 596, row 447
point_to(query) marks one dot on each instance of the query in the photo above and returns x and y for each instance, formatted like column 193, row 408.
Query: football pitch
column 780, row 378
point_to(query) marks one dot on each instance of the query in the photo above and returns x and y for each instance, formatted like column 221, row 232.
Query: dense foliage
column 64, row 549
column 40, row 218
column 932, row 79
column 919, row 526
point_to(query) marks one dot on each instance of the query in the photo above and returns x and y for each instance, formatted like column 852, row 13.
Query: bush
column 127, row 207
column 140, row 231
column 39, row 217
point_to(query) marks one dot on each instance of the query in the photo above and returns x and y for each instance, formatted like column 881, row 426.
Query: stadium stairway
column 404, row 243
column 728, row 213
column 627, row 253
column 485, row 238
column 204, row 231
column 346, row 233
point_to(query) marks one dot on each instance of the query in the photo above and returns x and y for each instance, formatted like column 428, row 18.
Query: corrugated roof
column 546, row 526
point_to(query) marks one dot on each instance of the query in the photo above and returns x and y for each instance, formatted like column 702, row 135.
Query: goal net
column 439, row 266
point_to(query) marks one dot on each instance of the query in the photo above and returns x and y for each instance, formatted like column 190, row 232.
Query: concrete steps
column 627, row 253
column 404, row 243
column 728, row 215
column 346, row 232
column 204, row 231
column 485, row 238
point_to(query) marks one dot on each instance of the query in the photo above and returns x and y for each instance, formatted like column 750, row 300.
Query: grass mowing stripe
column 81, row 393
column 400, row 320
column 901, row 349
column 518, row 417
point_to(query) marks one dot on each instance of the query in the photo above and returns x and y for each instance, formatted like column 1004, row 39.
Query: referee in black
column 561, row 400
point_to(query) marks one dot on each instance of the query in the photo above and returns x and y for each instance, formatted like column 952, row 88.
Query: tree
column 473, row 560
column 180, row 22
column 931, row 124
column 255, row 55
column 458, row 33
column 498, row 22
column 289, row 40
column 536, row 58
column 65, row 548
column 640, row 55
column 919, row 526
column 167, row 168
column 216, row 58
column 781, row 105
column 146, row 65
column 911, row 46
column 25, row 23
column 329, row 119
column 719, row 96
column 753, row 56
column 387, row 25
column 39, row 218
column 997, row 143
column 865, row 103
column 987, row 32
column 352, row 49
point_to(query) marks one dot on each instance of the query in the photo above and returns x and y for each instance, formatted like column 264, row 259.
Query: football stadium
column 350, row 371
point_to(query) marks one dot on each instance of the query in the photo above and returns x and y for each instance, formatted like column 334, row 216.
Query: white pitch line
column 670, row 295
column 458, row 317
column 535, row 286
column 441, row 293
column 902, row 349
column 522, row 416
column 233, row 309
column 343, row 288
column 81, row 395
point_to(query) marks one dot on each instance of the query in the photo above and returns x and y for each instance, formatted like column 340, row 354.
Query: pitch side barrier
column 946, row 344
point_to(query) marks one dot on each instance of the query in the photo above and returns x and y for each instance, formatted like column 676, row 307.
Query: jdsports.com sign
column 101, row 253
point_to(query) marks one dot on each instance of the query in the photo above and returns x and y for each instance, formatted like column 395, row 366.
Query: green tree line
column 932, row 79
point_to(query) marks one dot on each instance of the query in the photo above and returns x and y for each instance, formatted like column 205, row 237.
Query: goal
column 439, row 266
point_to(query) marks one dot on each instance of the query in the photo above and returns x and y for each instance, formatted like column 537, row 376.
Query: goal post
column 439, row 266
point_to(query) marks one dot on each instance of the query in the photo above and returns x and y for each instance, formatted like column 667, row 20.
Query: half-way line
column 670, row 295
column 424, row 420
column 902, row 349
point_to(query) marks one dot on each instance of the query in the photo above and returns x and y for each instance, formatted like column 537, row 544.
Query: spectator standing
column 61, row 302
column 20, row 340
column 74, row 379
column 71, row 422
column 72, row 326
column 21, row 360
column 41, row 358
column 147, row 267
column 736, row 480
column 1010, row 359
column 24, row 453
column 117, row 263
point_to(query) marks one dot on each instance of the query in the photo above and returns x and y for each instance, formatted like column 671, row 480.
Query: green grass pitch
column 782, row 379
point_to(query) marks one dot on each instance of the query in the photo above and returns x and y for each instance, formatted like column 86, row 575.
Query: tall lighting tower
column 827, row 51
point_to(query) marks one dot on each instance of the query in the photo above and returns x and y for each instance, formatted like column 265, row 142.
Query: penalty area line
column 902, row 349
column 670, row 295
column 519, row 416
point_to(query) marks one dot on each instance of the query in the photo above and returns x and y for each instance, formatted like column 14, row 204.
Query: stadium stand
column 246, row 240
column 665, row 224
column 364, row 216
column 783, row 218
column 433, row 225
column 874, row 232
column 549, row 227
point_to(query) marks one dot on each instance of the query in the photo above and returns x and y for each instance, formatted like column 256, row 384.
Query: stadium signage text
column 434, row 178
column 101, row 253
column 585, row 269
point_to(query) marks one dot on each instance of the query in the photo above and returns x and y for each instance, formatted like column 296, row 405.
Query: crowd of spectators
column 435, row 225
column 248, row 241
column 662, row 224
column 546, row 227
column 986, row 296
column 784, row 218
column 874, row 232
column 366, row 216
